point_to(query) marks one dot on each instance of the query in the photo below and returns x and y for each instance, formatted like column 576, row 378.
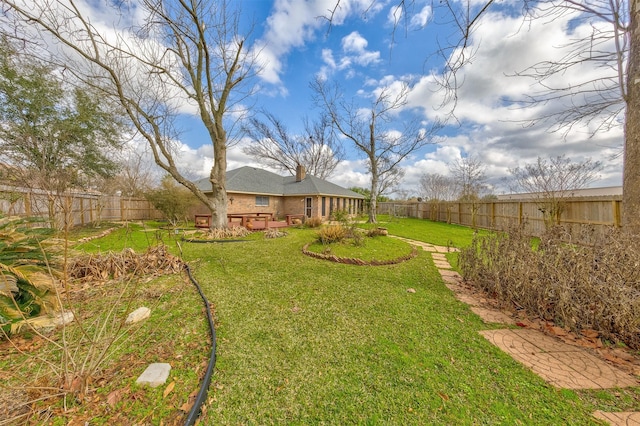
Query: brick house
column 253, row 190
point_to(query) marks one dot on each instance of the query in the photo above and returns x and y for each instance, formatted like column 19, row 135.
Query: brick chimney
column 300, row 173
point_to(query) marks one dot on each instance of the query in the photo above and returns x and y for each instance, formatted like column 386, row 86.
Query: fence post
column 493, row 215
column 616, row 213
column 82, row 211
column 27, row 204
column 520, row 219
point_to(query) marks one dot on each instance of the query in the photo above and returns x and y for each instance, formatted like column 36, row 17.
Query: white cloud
column 350, row 173
column 293, row 23
column 420, row 19
column 395, row 15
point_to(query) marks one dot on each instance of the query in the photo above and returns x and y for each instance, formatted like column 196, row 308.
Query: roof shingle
column 258, row 181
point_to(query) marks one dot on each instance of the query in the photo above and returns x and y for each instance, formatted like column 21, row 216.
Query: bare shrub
column 224, row 233
column 580, row 287
column 377, row 232
column 313, row 222
column 274, row 233
column 332, row 234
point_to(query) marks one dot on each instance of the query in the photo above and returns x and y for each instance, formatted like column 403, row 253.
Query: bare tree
column 371, row 132
column 437, row 187
column 183, row 54
column 275, row 146
column 551, row 181
column 469, row 176
column 135, row 177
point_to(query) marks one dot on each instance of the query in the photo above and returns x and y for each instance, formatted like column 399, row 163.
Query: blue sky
column 363, row 54
column 359, row 53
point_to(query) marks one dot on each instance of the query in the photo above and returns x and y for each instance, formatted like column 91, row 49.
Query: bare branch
column 372, row 133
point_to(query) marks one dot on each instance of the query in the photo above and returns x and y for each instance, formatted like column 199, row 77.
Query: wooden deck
column 258, row 221
column 259, row 224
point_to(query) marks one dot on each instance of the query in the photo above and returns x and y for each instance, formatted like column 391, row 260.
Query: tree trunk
column 218, row 180
column 373, row 204
column 631, row 171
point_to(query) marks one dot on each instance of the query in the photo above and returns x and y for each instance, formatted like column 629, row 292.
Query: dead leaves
column 114, row 397
column 187, row 406
column 588, row 339
column 168, row 389
column 155, row 261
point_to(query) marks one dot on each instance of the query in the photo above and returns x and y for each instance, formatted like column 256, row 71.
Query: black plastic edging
column 206, row 381
column 213, row 241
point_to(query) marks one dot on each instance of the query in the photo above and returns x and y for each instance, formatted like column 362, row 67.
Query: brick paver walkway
column 560, row 364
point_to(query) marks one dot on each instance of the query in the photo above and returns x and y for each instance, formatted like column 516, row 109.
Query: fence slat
column 75, row 208
column 599, row 212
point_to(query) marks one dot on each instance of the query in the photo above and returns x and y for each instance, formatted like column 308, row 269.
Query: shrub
column 580, row 287
column 224, row 233
column 377, row 232
column 332, row 234
column 340, row 215
column 313, row 222
column 28, row 271
column 274, row 233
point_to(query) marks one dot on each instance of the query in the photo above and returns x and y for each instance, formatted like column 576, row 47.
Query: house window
column 262, row 200
column 324, row 206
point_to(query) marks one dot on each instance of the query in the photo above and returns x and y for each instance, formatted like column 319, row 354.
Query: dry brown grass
column 156, row 260
column 594, row 286
column 313, row 222
column 332, row 233
column 274, row 233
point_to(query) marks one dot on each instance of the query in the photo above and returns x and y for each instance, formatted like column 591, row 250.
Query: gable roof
column 251, row 180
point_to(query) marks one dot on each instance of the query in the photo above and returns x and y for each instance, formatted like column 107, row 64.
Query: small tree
column 173, row 200
column 275, row 146
column 470, row 178
column 54, row 136
column 372, row 133
column 551, row 181
column 437, row 187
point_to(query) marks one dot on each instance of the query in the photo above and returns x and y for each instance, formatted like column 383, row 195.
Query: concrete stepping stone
column 492, row 316
column 469, row 299
column 138, row 315
column 626, row 418
column 441, row 264
column 449, row 273
column 155, row 375
column 560, row 364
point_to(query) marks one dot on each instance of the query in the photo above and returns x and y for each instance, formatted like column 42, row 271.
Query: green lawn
column 307, row 341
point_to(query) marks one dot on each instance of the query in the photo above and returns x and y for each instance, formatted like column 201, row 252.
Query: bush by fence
column 587, row 287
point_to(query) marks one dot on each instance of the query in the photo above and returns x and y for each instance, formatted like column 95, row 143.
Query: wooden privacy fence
column 76, row 208
column 599, row 212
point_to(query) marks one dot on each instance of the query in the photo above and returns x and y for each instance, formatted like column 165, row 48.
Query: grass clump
column 332, row 234
column 313, row 222
column 578, row 287
column 274, row 233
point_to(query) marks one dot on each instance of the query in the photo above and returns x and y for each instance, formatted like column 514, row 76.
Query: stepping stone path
column 560, row 364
